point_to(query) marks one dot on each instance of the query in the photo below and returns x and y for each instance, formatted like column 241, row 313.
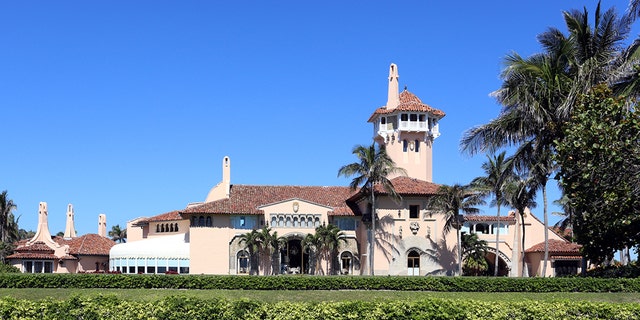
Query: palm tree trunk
column 495, row 271
column 458, row 229
column 522, row 248
column 372, row 245
column 546, row 230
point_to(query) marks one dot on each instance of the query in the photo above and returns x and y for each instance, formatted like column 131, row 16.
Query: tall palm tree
column 372, row 169
column 330, row 238
column 498, row 172
column 451, row 201
column 521, row 194
column 6, row 217
column 539, row 92
column 117, row 234
column 253, row 244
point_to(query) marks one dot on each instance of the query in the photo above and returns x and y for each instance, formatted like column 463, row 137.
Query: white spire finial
column 70, row 230
column 394, row 97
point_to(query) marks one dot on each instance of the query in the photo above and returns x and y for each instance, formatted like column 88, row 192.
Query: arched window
column 209, row 223
column 243, row 262
column 296, row 222
column 176, row 227
column 281, row 221
column 157, row 228
column 288, row 221
column 317, row 224
column 171, row 227
column 201, row 221
column 162, row 228
column 274, row 221
column 346, row 263
column 417, row 147
column 413, row 263
column 404, row 145
column 194, row 221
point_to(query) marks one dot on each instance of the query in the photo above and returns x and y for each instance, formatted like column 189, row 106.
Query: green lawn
column 316, row 295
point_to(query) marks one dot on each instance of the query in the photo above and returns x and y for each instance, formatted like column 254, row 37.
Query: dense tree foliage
column 600, row 170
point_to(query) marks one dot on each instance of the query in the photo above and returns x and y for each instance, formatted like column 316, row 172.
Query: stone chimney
column 393, row 99
column 70, row 230
column 102, row 225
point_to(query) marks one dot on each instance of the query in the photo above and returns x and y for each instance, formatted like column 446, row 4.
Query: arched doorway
column 503, row 263
column 413, row 263
column 294, row 259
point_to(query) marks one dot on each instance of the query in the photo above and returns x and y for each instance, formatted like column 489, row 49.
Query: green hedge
column 448, row 284
column 181, row 307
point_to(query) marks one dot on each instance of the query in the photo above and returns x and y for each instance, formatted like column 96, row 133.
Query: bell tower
column 407, row 127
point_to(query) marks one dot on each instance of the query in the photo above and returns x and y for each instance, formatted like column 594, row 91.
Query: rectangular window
column 48, row 267
column 28, row 266
column 151, row 270
column 413, row 117
column 404, row 117
column 414, row 211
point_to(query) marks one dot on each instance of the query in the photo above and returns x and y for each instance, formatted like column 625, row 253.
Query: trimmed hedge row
column 401, row 283
column 181, row 307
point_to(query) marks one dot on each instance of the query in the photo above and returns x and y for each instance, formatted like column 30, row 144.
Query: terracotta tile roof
column 409, row 102
column 245, row 199
column 410, row 186
column 33, row 255
column 37, row 246
column 90, row 245
column 341, row 211
column 477, row 218
column 37, row 250
column 557, row 247
column 169, row 216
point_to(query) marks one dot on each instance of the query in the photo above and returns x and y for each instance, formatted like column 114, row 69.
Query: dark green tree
column 372, row 169
column 474, row 252
column 600, row 173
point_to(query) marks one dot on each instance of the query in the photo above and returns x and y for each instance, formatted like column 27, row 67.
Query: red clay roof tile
column 246, row 199
column 90, row 245
column 557, row 247
column 409, row 102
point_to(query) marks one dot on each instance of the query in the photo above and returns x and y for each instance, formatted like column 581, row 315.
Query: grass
column 316, row 295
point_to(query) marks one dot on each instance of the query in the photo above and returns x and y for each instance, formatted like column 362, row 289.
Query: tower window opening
column 414, row 211
column 417, row 147
column 404, row 145
column 413, row 117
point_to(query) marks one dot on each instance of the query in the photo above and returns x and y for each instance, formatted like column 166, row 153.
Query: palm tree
column 7, row 221
column 451, row 200
column 330, row 237
column 312, row 244
column 372, row 169
column 273, row 243
column 117, row 234
column 474, row 252
column 538, row 93
column 253, row 244
column 498, row 172
column 520, row 195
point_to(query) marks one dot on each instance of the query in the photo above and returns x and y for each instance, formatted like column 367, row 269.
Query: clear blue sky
column 128, row 107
